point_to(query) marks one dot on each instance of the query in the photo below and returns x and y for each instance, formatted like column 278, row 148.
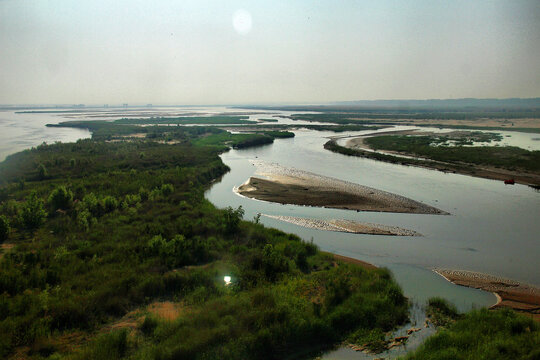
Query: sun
column 242, row 21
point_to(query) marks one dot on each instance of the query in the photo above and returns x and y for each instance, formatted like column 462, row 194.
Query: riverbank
column 358, row 147
column 512, row 294
column 292, row 186
column 349, row 226
column 350, row 260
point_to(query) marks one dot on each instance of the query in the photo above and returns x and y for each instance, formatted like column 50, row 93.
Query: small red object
column 509, row 182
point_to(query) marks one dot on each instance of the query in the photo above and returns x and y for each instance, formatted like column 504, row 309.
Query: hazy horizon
column 254, row 52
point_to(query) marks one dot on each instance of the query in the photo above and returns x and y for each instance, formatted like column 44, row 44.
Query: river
column 492, row 228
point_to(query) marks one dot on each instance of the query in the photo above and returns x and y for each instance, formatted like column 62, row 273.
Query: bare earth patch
column 166, row 310
column 5, row 248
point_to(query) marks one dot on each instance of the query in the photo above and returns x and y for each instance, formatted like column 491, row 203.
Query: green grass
column 484, row 335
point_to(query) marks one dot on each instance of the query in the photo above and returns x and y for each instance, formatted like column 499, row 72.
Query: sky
column 245, row 52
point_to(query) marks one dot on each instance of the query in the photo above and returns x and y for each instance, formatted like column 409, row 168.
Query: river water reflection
column 493, row 228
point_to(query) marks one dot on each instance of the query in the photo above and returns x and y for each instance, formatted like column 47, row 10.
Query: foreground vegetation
column 102, row 229
column 479, row 335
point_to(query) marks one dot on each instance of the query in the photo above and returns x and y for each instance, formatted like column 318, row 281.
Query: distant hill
column 512, row 103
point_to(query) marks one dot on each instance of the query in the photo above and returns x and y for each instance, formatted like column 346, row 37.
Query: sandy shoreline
column 512, row 294
column 348, row 226
column 291, row 186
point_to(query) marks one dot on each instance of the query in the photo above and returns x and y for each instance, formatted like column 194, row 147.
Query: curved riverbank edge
column 350, row 260
column 357, row 147
column 521, row 297
column 292, row 186
column 348, row 226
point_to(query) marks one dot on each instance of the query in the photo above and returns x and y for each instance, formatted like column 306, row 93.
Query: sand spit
column 348, row 226
column 293, row 186
column 520, row 297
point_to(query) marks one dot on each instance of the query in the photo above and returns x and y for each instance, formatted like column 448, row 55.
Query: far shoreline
column 357, row 147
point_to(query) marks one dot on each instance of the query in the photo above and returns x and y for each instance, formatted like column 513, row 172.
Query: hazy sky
column 216, row 52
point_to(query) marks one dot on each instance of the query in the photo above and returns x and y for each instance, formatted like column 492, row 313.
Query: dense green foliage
column 507, row 157
column 237, row 141
column 116, row 226
column 279, row 134
column 484, row 335
column 4, row 228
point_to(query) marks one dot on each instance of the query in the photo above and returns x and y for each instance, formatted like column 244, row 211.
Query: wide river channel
column 492, row 228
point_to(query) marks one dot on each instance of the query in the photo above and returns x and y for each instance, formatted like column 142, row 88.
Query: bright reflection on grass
column 227, row 280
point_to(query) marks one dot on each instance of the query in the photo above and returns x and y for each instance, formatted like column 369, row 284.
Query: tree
column 42, row 172
column 4, row 228
column 33, row 213
column 232, row 218
column 60, row 198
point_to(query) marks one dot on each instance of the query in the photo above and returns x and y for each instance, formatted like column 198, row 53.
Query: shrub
column 109, row 203
column 167, row 189
column 4, row 228
column 441, row 312
column 42, row 172
column 33, row 213
column 232, row 218
column 91, row 203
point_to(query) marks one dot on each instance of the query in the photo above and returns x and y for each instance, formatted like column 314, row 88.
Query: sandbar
column 292, row 186
column 512, row 294
column 348, row 226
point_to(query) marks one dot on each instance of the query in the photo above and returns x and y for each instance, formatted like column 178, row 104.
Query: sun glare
column 242, row 21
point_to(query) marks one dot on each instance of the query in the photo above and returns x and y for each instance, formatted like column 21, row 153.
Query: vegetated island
column 434, row 152
column 348, row 226
column 520, row 297
column 293, row 186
